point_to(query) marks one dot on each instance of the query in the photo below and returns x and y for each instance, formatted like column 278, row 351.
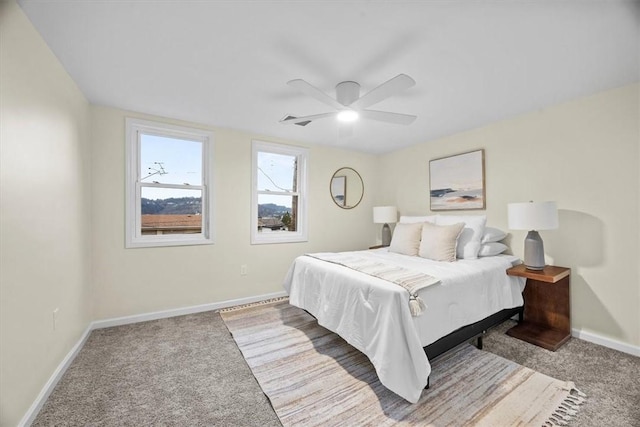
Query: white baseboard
column 31, row 414
column 118, row 321
column 606, row 342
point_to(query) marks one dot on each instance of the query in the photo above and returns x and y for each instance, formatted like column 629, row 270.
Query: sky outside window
column 169, row 161
column 276, row 173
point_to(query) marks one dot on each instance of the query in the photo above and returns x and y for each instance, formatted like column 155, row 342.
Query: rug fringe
column 568, row 408
column 252, row 304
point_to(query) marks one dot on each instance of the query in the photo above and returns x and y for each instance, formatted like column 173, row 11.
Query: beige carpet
column 313, row 377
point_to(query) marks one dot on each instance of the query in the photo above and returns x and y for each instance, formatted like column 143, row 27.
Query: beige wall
column 142, row 280
column 45, row 218
column 583, row 154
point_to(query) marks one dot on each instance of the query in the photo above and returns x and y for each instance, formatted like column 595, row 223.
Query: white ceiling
column 226, row 63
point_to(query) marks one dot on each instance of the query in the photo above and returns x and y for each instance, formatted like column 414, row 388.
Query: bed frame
column 466, row 333
column 469, row 332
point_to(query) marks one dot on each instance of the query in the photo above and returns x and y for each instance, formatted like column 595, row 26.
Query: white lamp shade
column 385, row 214
column 533, row 216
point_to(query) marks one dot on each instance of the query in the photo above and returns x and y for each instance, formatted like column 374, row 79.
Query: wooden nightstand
column 547, row 310
column 377, row 247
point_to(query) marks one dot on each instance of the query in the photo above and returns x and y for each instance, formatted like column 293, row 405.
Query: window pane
column 277, row 213
column 171, row 211
column 170, row 160
column 276, row 172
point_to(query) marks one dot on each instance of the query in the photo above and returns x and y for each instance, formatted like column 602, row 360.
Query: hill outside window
column 169, row 185
column 279, row 202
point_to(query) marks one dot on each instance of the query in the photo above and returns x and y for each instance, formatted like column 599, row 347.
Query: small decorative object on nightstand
column 547, row 310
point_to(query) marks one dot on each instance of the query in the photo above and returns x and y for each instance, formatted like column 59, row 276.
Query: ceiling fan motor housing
column 347, row 92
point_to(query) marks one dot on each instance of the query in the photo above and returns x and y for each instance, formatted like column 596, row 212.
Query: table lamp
column 533, row 216
column 385, row 215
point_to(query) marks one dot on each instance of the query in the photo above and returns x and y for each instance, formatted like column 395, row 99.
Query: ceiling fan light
column 348, row 115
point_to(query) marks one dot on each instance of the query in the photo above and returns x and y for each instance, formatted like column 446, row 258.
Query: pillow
column 492, row 234
column 439, row 241
column 414, row 219
column 406, row 239
column 492, row 249
column 469, row 240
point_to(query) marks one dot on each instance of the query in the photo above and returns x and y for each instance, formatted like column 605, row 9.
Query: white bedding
column 373, row 315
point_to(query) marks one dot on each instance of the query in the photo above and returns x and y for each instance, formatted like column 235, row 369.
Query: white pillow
column 492, row 249
column 406, row 239
column 439, row 241
column 413, row 219
column 492, row 234
column 469, row 239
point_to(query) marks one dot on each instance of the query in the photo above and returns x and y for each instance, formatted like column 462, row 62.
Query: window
column 169, row 185
column 279, row 203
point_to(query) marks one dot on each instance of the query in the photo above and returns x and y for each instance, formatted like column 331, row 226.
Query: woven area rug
column 314, row 378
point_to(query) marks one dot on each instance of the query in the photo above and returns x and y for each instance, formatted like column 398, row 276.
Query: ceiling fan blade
column 384, row 91
column 385, row 116
column 314, row 92
column 296, row 120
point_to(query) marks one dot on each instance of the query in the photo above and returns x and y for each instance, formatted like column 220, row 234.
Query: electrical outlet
column 55, row 318
column 243, row 270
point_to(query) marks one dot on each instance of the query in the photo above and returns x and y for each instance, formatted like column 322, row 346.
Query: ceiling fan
column 349, row 105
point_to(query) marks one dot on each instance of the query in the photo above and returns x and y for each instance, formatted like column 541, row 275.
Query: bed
column 373, row 315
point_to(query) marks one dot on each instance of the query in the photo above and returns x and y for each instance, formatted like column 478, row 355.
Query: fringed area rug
column 314, row 378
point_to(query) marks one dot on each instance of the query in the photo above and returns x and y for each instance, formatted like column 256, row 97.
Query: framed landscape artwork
column 457, row 182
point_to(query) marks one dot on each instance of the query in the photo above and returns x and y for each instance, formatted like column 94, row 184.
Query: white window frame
column 300, row 235
column 133, row 225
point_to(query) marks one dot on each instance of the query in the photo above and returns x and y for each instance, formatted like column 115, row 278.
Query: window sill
column 263, row 240
column 159, row 243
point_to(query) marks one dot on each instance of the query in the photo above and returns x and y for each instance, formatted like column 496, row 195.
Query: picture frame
column 457, row 182
column 339, row 190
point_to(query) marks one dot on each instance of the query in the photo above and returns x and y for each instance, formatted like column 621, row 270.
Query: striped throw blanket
column 411, row 280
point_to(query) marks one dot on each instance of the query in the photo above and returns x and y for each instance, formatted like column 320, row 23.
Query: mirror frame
column 335, row 175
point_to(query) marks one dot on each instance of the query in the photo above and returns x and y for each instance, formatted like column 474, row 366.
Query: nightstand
column 547, row 310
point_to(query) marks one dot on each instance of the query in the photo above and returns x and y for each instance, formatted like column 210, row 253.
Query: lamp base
column 386, row 235
column 533, row 251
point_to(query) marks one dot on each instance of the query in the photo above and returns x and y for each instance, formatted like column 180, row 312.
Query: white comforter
column 373, row 315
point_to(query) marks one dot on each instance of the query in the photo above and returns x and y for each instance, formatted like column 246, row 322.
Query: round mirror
column 347, row 188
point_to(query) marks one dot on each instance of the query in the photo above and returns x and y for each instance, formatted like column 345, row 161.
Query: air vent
column 299, row 124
